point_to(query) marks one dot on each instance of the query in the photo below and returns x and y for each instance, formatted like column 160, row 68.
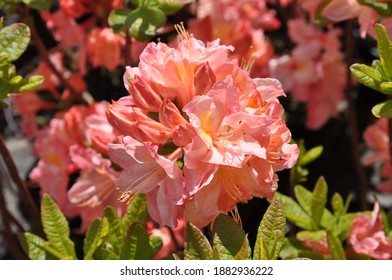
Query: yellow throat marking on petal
column 54, row 159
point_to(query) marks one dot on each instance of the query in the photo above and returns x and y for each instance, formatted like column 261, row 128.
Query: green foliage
column 299, row 172
column 378, row 76
column 271, row 233
column 335, row 247
column 310, row 214
column 142, row 22
column 233, row 246
column 14, row 40
column 230, row 241
column 196, row 244
column 94, row 237
column 58, row 244
column 107, row 238
column 319, row 200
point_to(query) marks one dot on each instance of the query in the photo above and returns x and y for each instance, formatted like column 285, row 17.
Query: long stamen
column 236, row 216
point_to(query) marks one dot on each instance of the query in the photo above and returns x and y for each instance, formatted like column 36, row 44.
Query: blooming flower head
column 199, row 134
column 367, row 236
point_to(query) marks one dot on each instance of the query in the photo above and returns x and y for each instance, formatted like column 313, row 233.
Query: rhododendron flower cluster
column 314, row 72
column 367, row 236
column 198, row 134
column 377, row 140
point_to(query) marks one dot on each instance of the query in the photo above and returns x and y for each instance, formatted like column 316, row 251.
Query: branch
column 14, row 173
column 45, row 57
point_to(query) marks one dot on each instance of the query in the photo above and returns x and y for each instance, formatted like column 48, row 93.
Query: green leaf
column 94, row 237
column 328, row 220
column 228, row 246
column 311, row 155
column 196, row 244
column 39, row 4
column 271, row 232
column 105, row 254
column 343, row 225
column 386, row 87
column 383, row 109
column 143, row 22
column 114, row 236
column 156, row 244
column 304, row 197
column 335, row 247
column 319, row 200
column 28, row 84
column 366, row 75
column 337, row 205
column 56, row 228
column 37, row 248
column 294, row 212
column 136, row 244
column 14, row 40
column 170, row 7
column 117, row 19
column 384, row 47
column 136, row 212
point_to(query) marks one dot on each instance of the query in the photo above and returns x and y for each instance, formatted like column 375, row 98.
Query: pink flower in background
column 367, row 236
column 70, row 35
column 240, row 24
column 192, row 107
column 314, row 73
column 376, row 137
column 340, row 10
column 96, row 8
column 76, row 141
column 104, row 48
column 55, row 165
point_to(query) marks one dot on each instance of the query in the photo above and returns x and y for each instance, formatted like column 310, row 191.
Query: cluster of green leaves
column 14, row 40
column 231, row 243
column 378, row 76
column 143, row 21
column 109, row 238
column 309, row 213
column 299, row 172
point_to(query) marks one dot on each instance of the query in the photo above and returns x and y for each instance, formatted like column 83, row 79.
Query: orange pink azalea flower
column 199, row 134
column 367, row 236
